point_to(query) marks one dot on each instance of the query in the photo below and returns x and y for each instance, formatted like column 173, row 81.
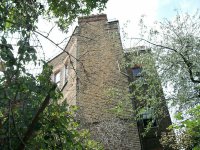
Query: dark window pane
column 147, row 118
column 136, row 71
column 151, row 121
column 57, row 78
column 66, row 73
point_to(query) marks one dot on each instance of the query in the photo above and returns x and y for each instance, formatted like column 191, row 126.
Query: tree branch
column 30, row 129
column 188, row 64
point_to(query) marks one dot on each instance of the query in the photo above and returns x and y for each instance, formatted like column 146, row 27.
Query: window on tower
column 148, row 118
column 66, row 74
column 136, row 71
column 57, row 78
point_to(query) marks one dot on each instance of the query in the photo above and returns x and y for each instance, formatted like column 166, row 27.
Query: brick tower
column 87, row 72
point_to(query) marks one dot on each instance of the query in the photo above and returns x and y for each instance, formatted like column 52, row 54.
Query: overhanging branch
column 35, row 119
column 186, row 61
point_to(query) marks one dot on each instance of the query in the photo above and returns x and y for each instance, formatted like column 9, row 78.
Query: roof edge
column 63, row 51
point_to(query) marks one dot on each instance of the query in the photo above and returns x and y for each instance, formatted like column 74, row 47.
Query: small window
column 147, row 118
column 150, row 121
column 136, row 71
column 66, row 74
column 57, row 78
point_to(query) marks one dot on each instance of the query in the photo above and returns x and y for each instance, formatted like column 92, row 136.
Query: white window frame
column 66, row 74
column 59, row 78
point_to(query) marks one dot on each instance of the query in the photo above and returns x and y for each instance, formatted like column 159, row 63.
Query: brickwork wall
column 95, row 54
column 59, row 63
column 96, row 45
column 99, row 49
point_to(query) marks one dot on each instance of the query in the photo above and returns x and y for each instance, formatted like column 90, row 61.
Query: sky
column 128, row 12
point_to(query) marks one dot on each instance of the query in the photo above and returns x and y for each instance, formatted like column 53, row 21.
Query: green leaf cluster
column 175, row 55
column 23, row 15
column 31, row 116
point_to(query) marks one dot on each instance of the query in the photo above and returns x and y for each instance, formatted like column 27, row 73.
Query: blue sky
column 166, row 7
column 153, row 10
column 128, row 12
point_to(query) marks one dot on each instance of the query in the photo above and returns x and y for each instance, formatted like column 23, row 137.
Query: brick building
column 87, row 71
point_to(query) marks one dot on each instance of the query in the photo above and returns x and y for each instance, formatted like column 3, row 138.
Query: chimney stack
column 93, row 18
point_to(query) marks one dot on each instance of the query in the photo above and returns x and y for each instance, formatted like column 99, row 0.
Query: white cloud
column 189, row 6
column 185, row 5
column 126, row 10
column 132, row 10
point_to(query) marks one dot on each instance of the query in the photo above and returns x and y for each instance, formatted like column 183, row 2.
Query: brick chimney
column 93, row 18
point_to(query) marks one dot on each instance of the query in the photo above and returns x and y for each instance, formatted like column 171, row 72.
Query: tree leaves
column 22, row 94
column 175, row 48
column 67, row 11
column 6, row 53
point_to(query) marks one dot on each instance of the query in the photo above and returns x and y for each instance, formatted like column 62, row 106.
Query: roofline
column 92, row 18
column 112, row 21
column 63, row 51
column 74, row 34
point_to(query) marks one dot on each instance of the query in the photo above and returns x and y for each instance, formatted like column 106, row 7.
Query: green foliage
column 23, row 15
column 31, row 115
column 175, row 54
column 123, row 109
column 146, row 89
column 21, row 94
column 74, row 9
column 57, row 129
column 19, row 15
column 187, row 131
